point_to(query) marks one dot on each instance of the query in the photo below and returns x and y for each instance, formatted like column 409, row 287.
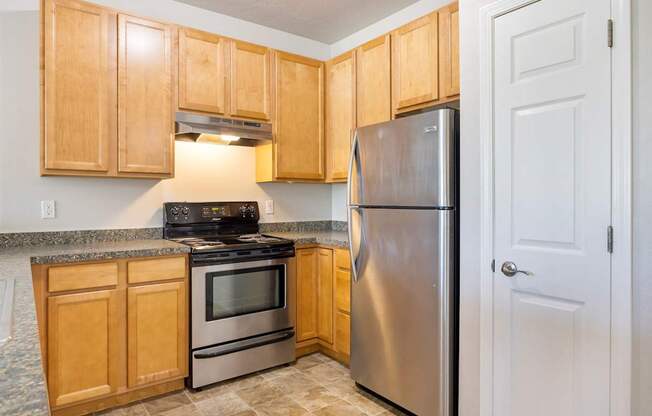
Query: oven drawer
column 214, row 364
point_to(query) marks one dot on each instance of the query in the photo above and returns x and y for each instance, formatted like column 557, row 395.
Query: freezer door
column 408, row 162
column 401, row 306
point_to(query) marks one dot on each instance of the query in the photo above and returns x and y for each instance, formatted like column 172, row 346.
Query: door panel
column 79, row 87
column 340, row 115
column 307, row 271
column 449, row 51
column 373, row 82
column 399, row 305
column 299, row 128
column 157, row 340
column 406, row 162
column 415, row 72
column 551, row 340
column 83, row 342
column 145, row 123
column 202, row 71
column 325, row 295
column 250, row 80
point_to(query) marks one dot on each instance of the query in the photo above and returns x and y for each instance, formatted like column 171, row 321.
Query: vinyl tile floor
column 314, row 385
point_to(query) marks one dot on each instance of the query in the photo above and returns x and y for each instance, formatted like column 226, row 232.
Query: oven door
column 240, row 300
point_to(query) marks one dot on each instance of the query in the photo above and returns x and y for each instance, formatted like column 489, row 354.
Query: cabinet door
column 343, row 290
column 340, row 115
column 307, row 269
column 79, row 92
column 156, row 335
column 251, row 81
column 325, row 296
column 299, row 138
column 202, row 71
column 145, row 124
column 343, row 333
column 83, row 346
column 449, row 51
column 373, row 91
column 415, row 63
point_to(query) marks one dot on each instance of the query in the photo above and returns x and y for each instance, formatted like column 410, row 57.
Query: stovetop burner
column 231, row 242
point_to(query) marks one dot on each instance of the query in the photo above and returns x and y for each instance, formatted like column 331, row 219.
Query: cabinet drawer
column 342, row 333
column 82, row 276
column 141, row 271
column 343, row 290
column 342, row 259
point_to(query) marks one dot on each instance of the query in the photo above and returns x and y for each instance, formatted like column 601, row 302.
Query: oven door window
column 239, row 292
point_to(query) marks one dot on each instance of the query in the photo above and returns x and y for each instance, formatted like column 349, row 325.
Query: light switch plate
column 269, row 207
column 48, row 209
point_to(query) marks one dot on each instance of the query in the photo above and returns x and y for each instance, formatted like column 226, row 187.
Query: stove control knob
column 243, row 210
column 185, row 210
column 251, row 209
column 174, row 211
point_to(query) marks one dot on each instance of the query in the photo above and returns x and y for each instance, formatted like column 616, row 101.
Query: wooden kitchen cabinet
column 325, row 296
column 83, row 342
column 202, row 71
column 145, row 110
column 79, row 84
column 297, row 152
column 339, row 115
column 156, row 319
column 373, row 91
column 307, row 275
column 113, row 331
column 107, row 83
column 415, row 63
column 251, row 81
column 343, row 303
column 449, row 51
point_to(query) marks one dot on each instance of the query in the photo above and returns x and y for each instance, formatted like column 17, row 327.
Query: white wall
column 203, row 172
column 642, row 172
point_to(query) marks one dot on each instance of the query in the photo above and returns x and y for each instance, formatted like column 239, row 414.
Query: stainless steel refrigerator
column 402, row 200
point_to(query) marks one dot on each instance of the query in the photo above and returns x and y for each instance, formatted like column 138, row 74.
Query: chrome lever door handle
column 510, row 269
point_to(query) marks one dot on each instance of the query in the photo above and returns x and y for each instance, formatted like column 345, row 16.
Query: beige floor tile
column 324, row 373
column 342, row 386
column 340, row 408
column 247, row 413
column 293, row 383
column 211, row 391
column 226, row 404
column 261, row 393
column 131, row 410
column 246, row 382
column 315, row 398
column 187, row 410
column 165, row 403
column 367, row 403
column 279, row 372
column 283, row 406
column 307, row 362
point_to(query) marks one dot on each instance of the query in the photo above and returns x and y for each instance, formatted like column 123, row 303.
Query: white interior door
column 552, row 159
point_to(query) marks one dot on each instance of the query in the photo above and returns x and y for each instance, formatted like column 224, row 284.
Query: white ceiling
column 325, row 21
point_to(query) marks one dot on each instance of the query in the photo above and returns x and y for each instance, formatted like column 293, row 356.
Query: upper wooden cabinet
column 299, row 119
column 79, row 110
column 145, row 110
column 202, row 71
column 107, row 83
column 449, row 51
column 340, row 115
column 251, row 81
column 373, row 98
column 415, row 73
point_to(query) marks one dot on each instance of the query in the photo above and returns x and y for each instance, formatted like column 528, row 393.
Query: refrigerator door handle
column 353, row 159
column 355, row 254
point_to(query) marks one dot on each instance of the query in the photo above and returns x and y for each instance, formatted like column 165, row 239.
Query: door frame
column 621, row 203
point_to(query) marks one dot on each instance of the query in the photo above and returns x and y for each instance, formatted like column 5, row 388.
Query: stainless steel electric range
column 242, row 290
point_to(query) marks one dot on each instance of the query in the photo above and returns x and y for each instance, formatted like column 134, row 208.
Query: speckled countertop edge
column 22, row 384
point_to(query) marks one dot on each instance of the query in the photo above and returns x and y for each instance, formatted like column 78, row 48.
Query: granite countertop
column 22, row 385
column 338, row 239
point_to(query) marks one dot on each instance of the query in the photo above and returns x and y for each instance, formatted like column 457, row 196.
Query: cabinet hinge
column 610, row 239
column 610, row 33
column 493, row 265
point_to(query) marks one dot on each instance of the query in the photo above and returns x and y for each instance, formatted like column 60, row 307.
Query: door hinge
column 493, row 265
column 610, row 33
column 610, row 239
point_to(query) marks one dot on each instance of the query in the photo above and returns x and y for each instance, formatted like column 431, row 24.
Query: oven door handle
column 244, row 345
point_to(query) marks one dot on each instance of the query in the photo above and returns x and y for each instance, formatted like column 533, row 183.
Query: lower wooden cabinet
column 156, row 319
column 323, row 301
column 83, row 343
column 106, row 342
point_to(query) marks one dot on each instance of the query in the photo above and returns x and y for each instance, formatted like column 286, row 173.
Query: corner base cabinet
column 112, row 332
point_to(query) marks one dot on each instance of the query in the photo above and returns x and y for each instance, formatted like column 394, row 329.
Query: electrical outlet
column 269, row 207
column 48, row 209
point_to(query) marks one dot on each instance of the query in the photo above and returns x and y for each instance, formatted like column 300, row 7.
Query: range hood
column 203, row 128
